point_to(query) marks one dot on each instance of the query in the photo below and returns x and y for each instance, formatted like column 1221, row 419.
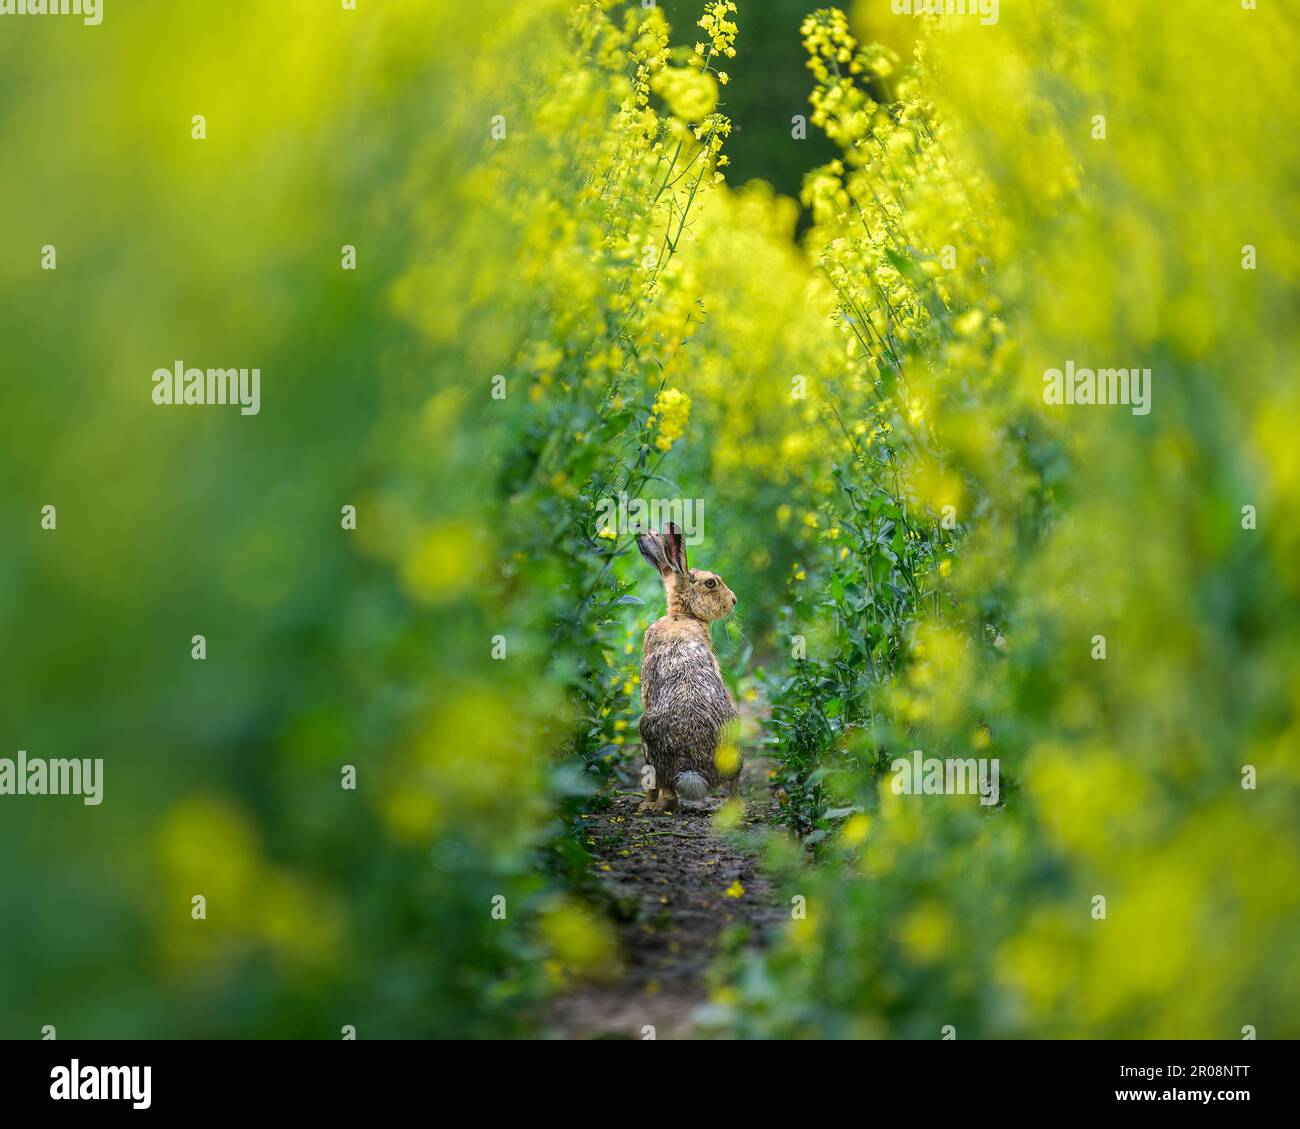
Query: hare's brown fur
column 687, row 712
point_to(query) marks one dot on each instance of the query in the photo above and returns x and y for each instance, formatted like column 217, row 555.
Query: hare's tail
column 691, row 786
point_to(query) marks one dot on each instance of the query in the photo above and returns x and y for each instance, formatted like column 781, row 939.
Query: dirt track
column 678, row 888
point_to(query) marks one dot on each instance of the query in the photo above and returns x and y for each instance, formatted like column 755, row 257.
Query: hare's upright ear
column 652, row 548
column 675, row 547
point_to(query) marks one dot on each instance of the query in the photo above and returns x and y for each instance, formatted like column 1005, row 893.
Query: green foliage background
column 617, row 252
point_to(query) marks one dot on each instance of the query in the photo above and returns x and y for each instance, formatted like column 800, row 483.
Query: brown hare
column 689, row 727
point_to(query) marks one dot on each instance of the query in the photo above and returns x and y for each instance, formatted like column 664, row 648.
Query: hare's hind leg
column 667, row 801
column 658, row 788
column 650, row 781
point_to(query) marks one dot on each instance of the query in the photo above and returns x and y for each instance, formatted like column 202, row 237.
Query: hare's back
column 679, row 667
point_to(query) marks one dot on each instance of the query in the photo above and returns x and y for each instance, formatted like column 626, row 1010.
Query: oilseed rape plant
column 1017, row 671
column 1004, row 591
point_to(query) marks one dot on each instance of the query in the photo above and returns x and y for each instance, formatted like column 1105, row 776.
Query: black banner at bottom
column 364, row 1077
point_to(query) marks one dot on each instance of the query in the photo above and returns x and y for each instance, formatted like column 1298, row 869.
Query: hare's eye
column 710, row 584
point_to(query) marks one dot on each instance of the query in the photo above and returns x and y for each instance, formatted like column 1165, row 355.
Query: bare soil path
column 681, row 891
